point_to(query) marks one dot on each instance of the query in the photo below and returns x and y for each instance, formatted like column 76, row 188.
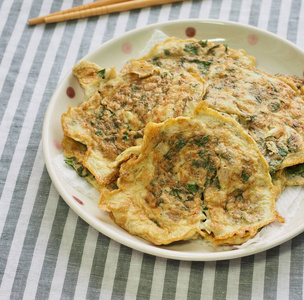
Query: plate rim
column 140, row 246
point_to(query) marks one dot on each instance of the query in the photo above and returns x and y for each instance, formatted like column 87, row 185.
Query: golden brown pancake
column 193, row 177
column 195, row 56
column 113, row 119
column 269, row 109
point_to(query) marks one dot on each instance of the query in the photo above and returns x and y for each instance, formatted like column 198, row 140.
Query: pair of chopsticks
column 97, row 8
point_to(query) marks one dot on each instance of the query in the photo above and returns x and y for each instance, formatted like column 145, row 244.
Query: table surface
column 46, row 250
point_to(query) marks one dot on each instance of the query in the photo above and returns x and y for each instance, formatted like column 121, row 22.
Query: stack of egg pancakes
column 191, row 141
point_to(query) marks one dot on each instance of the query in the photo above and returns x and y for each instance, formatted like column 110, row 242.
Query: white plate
column 273, row 55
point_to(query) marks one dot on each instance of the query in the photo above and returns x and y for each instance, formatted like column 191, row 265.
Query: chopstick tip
column 36, row 21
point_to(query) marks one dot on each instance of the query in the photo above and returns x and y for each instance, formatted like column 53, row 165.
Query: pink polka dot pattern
column 190, row 32
column 70, row 92
column 252, row 39
column 57, row 145
column 78, row 200
column 126, row 47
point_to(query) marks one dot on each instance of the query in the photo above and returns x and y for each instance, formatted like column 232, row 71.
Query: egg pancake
column 114, row 117
column 267, row 107
column 195, row 56
column 200, row 176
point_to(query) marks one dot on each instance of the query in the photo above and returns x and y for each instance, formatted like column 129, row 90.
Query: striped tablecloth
column 46, row 250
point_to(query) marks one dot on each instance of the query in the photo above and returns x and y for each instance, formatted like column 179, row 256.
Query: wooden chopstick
column 103, row 10
column 92, row 5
